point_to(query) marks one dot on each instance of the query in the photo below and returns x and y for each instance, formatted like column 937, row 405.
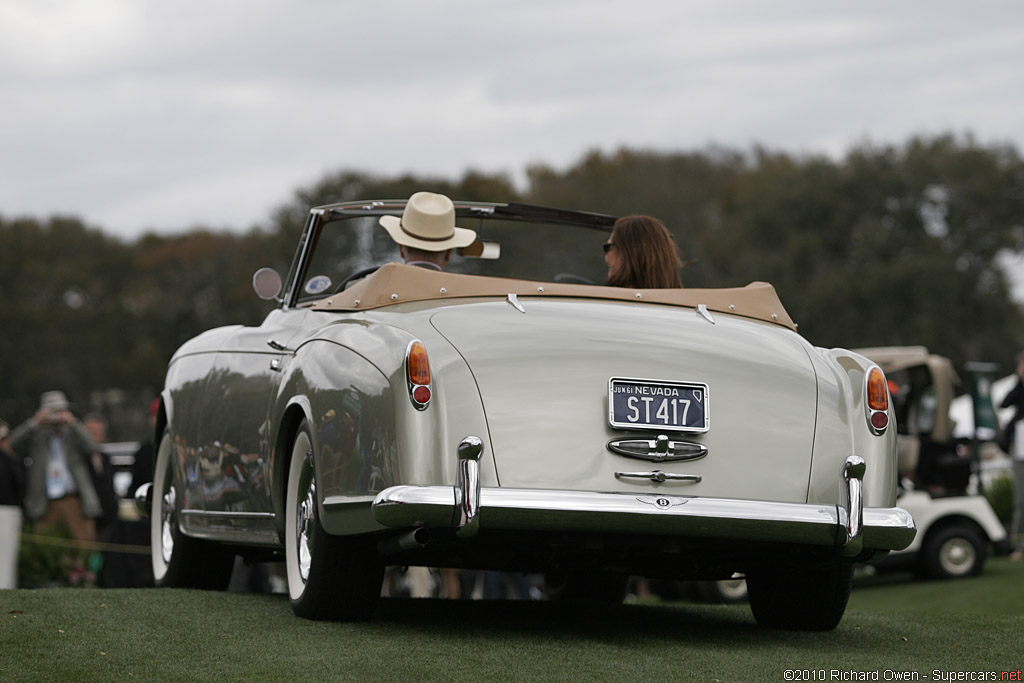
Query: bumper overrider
column 847, row 525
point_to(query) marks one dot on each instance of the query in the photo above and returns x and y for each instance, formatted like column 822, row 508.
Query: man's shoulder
column 24, row 431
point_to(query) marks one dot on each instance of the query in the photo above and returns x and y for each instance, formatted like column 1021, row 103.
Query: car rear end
column 653, row 440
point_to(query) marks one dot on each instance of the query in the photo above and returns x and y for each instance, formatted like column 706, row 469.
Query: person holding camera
column 59, row 485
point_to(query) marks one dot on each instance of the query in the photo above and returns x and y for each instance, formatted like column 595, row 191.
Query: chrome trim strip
column 347, row 501
column 292, row 286
column 221, row 514
column 245, row 528
column 557, row 510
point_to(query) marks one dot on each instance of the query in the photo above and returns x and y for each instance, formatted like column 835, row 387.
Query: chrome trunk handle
column 659, row 476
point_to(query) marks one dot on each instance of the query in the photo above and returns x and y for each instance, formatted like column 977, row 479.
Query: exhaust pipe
column 410, row 540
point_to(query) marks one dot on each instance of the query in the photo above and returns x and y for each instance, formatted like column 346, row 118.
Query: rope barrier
column 38, row 539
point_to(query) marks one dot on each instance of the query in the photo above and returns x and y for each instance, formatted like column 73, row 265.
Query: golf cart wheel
column 953, row 552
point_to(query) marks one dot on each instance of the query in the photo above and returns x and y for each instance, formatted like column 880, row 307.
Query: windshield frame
column 321, row 216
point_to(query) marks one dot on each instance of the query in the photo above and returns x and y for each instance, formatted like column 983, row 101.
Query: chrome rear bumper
column 468, row 507
column 583, row 511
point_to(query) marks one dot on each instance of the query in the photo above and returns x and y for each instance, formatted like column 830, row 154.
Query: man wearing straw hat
column 59, row 485
column 426, row 231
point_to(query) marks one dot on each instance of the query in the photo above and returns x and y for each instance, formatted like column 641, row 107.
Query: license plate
column 658, row 404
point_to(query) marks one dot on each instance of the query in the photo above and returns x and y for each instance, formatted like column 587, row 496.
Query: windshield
column 528, row 251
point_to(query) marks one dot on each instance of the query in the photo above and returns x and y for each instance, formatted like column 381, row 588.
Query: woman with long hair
column 641, row 254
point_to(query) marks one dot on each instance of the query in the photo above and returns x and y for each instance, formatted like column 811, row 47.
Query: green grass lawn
column 998, row 590
column 893, row 624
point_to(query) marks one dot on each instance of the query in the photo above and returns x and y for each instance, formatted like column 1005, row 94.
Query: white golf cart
column 956, row 526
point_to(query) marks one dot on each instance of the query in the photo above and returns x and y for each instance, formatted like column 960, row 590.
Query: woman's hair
column 648, row 255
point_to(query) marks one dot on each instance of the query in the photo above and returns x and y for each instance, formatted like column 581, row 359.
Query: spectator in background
column 102, row 471
column 12, row 471
column 59, row 484
column 133, row 569
column 1015, row 399
column 641, row 254
column 142, row 465
column 12, row 495
column 96, row 425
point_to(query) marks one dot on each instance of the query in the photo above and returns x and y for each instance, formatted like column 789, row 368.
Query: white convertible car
column 397, row 415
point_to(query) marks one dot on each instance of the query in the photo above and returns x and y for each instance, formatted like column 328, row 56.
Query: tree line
column 890, row 244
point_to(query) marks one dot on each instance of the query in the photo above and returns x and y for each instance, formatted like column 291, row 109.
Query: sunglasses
column 608, row 247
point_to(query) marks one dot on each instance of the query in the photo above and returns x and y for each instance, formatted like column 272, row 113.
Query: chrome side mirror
column 267, row 283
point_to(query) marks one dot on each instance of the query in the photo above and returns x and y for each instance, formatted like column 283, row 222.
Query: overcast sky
column 162, row 115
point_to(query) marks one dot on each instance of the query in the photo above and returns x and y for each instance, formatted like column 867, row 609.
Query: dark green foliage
column 85, row 313
column 889, row 245
column 50, row 558
column 1000, row 497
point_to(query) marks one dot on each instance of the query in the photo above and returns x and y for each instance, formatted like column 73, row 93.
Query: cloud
column 163, row 115
column 47, row 38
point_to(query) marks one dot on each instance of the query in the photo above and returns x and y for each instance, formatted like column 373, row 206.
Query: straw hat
column 428, row 223
column 54, row 401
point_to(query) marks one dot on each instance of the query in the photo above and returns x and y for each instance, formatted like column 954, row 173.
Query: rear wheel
column 178, row 560
column 802, row 599
column 329, row 577
column 953, row 552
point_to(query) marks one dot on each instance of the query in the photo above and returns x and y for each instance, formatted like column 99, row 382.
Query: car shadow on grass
column 645, row 626
column 555, row 618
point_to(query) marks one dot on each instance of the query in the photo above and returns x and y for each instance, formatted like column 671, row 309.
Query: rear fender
column 347, row 403
column 365, row 431
column 842, row 429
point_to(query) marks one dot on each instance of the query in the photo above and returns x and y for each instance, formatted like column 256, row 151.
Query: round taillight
column 880, row 421
column 421, row 394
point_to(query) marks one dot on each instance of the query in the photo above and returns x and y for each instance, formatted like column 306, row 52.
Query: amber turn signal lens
column 878, row 390
column 417, row 365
